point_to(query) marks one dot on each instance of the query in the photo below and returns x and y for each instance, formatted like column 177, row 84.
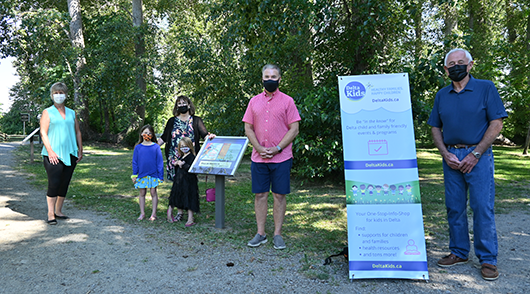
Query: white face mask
column 59, row 98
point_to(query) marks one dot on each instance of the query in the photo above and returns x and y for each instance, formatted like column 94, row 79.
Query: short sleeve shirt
column 464, row 117
column 271, row 117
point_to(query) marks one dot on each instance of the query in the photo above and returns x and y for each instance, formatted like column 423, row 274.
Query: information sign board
column 220, row 156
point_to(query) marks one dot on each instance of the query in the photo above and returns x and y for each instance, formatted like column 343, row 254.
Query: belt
column 457, row 146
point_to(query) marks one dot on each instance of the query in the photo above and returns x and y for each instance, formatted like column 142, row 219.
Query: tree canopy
column 213, row 51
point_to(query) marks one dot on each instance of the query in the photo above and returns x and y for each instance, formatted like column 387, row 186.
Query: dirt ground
column 92, row 253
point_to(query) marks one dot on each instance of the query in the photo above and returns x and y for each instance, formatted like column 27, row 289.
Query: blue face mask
column 185, row 149
column 59, row 98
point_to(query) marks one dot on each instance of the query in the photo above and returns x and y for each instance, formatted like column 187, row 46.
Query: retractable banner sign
column 385, row 224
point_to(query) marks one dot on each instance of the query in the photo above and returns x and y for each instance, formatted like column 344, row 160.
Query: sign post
column 221, row 157
column 24, row 117
column 30, row 138
column 219, row 201
column 385, row 221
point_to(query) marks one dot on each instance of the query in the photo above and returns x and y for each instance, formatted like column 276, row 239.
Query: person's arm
column 162, row 139
column 135, row 169
column 203, row 133
column 493, row 130
column 251, row 135
column 44, row 128
column 79, row 140
column 449, row 157
column 187, row 162
column 287, row 139
column 160, row 164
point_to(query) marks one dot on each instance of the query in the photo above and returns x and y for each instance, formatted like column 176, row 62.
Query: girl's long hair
column 186, row 142
column 150, row 128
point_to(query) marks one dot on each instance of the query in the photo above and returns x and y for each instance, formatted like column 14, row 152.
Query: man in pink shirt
column 271, row 124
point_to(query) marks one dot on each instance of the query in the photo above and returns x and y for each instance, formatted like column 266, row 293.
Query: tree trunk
column 510, row 21
column 137, row 121
column 527, row 142
column 78, row 42
column 527, row 39
column 450, row 19
column 481, row 35
column 418, row 30
column 106, row 130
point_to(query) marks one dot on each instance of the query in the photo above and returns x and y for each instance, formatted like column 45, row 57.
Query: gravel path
column 92, row 253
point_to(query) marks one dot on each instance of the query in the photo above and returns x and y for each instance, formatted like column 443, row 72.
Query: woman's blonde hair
column 58, row 87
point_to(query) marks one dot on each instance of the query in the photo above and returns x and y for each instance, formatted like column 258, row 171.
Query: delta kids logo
column 355, row 91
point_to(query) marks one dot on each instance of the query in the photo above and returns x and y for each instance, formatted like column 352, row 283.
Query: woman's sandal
column 178, row 218
column 141, row 217
column 152, row 218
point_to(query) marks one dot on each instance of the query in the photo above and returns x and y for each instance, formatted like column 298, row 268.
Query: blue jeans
column 481, row 186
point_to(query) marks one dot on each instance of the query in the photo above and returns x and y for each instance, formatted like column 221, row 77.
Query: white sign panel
column 385, row 223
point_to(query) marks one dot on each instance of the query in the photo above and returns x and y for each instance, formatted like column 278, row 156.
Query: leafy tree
column 138, row 55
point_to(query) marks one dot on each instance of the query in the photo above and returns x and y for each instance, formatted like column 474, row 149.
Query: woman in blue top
column 63, row 149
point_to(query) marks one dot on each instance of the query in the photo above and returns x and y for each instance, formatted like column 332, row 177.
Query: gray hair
column 58, row 87
column 468, row 55
column 272, row 66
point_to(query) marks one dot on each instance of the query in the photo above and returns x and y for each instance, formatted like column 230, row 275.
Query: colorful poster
column 385, row 221
column 220, row 156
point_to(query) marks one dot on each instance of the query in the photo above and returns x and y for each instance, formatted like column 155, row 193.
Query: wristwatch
column 476, row 154
column 279, row 148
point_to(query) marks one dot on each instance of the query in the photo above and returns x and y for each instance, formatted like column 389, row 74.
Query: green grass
column 316, row 221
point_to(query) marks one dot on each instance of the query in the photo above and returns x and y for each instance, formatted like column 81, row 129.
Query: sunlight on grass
column 316, row 218
column 429, row 155
column 328, row 225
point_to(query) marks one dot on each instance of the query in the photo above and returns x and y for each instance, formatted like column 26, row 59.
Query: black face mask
column 183, row 109
column 457, row 72
column 271, row 85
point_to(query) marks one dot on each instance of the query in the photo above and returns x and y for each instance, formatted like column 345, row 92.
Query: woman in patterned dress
column 184, row 123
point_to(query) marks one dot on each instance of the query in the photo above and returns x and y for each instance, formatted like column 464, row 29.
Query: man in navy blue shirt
column 466, row 118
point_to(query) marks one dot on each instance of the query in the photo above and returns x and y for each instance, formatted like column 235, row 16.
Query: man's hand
column 273, row 151
column 451, row 160
column 264, row 152
column 467, row 165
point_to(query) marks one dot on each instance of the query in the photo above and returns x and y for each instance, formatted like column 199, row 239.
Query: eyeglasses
column 460, row 62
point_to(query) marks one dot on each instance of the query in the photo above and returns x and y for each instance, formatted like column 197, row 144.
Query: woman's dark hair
column 186, row 99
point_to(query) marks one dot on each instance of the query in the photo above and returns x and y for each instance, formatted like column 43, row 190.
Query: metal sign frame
column 220, row 156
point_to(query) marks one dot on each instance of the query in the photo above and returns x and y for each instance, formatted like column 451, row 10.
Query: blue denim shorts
column 275, row 177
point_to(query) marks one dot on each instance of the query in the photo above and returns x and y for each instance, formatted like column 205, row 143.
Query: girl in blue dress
column 148, row 168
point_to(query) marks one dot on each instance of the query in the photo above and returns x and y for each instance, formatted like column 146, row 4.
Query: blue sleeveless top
column 61, row 134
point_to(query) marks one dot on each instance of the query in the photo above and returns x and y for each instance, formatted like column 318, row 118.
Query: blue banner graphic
column 385, row 222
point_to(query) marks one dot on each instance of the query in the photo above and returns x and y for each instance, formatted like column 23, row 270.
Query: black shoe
column 61, row 217
column 52, row 222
